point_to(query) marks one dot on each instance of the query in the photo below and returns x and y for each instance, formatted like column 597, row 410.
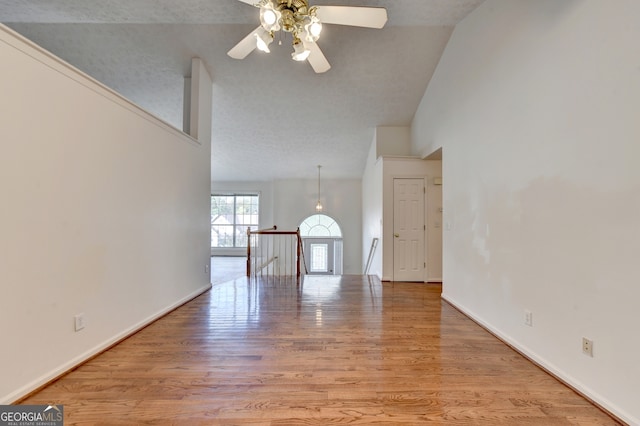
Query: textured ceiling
column 273, row 118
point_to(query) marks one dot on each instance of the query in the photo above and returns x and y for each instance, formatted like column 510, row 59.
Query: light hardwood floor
column 335, row 350
column 226, row 268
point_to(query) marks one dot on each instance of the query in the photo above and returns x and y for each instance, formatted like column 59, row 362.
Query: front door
column 408, row 230
column 318, row 255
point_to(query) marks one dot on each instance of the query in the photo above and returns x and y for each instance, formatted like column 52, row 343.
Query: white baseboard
column 80, row 359
column 531, row 355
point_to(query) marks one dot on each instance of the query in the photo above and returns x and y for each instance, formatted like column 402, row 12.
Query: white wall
column 535, row 104
column 105, row 211
column 286, row 203
column 372, row 211
column 295, row 200
column 393, row 140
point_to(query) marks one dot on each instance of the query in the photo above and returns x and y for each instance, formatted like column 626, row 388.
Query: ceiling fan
column 304, row 23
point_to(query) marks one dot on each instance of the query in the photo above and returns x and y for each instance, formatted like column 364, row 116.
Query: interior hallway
column 333, row 350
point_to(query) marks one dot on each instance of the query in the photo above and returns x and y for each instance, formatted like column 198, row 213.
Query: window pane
column 304, row 229
column 254, row 206
column 241, row 235
column 221, row 236
column 230, row 217
column 319, row 231
column 334, row 230
column 320, row 225
column 324, row 220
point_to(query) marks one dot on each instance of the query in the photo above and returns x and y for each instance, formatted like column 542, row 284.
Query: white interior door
column 319, row 256
column 408, row 229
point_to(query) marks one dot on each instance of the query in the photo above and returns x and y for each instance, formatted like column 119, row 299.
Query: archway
column 322, row 240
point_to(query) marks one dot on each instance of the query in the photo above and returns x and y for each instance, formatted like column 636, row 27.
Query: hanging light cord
column 319, row 183
column 319, row 205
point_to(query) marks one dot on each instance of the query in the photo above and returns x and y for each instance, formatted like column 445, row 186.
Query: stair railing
column 273, row 252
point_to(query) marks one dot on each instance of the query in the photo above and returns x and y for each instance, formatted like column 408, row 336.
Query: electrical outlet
column 79, row 322
column 528, row 318
column 206, row 269
column 587, row 346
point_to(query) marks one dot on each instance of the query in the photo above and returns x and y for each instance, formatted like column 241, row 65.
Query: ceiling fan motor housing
column 296, row 6
column 293, row 13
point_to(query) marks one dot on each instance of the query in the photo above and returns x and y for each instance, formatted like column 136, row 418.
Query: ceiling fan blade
column 246, row 46
column 369, row 17
column 317, row 60
column 251, row 2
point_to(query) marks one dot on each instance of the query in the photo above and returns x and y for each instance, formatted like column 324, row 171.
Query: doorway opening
column 322, row 244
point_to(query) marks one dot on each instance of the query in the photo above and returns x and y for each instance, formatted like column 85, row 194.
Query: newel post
column 248, row 251
column 298, row 250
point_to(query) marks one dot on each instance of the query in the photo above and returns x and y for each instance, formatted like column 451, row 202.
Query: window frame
column 236, row 225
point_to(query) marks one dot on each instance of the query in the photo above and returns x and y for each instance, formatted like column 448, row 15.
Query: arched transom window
column 320, row 225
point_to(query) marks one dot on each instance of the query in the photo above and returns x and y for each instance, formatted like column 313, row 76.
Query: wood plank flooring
column 334, row 350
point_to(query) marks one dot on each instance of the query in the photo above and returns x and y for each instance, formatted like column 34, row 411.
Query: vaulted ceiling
column 273, row 118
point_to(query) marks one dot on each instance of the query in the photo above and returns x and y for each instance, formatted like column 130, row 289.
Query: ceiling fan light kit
column 304, row 23
column 300, row 51
column 269, row 18
column 263, row 40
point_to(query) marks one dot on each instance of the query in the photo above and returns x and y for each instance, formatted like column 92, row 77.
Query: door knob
column 396, row 235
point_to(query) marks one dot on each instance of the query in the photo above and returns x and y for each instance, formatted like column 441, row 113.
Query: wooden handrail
column 301, row 253
column 274, row 232
column 261, row 231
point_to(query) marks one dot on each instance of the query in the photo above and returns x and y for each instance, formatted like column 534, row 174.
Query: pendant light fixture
column 319, row 205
